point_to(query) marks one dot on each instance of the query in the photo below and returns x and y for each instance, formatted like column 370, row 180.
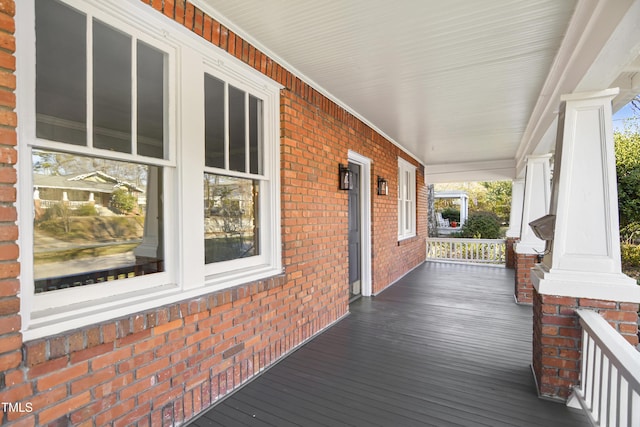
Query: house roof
column 470, row 88
column 97, row 182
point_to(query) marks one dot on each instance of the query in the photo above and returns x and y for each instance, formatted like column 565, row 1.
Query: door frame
column 365, row 218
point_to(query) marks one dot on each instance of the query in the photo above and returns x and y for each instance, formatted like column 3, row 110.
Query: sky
column 618, row 118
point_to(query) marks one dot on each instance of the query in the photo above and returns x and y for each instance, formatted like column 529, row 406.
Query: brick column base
column 510, row 255
column 524, row 287
column 557, row 338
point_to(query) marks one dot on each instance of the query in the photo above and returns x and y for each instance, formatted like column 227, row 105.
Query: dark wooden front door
column 355, row 235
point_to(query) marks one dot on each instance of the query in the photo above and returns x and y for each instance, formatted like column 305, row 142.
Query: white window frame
column 185, row 275
column 406, row 199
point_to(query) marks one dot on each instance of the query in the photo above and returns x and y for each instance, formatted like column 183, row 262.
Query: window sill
column 52, row 321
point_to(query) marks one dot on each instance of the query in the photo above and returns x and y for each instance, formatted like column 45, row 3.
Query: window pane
column 255, row 135
column 111, row 89
column 237, row 140
column 230, row 218
column 214, row 122
column 95, row 220
column 150, row 98
column 61, row 85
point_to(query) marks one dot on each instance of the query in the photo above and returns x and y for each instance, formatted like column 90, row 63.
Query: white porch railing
column 610, row 376
column 483, row 251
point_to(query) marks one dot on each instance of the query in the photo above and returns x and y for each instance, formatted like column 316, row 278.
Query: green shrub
column 452, row 214
column 481, row 225
column 630, row 233
column 630, row 255
column 122, row 201
column 85, row 210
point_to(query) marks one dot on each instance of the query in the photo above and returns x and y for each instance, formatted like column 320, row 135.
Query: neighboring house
column 94, row 187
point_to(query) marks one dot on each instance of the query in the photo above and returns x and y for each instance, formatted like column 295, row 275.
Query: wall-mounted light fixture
column 346, row 178
column 383, row 186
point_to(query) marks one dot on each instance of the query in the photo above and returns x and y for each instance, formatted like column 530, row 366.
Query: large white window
column 130, row 128
column 406, row 199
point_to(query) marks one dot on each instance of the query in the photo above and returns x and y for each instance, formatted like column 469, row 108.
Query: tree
column 498, row 199
column 494, row 196
column 123, row 201
column 481, row 225
column 627, row 150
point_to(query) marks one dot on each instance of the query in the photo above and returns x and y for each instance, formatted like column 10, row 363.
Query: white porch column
column 537, row 194
column 517, row 201
column 582, row 267
column 464, row 209
column 535, row 204
column 584, row 256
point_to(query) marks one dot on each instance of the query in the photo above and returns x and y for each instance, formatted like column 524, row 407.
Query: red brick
column 584, row 302
column 620, row 316
column 47, row 367
column 92, row 380
column 559, row 342
column 63, row 408
column 16, row 394
column 626, row 306
column 113, row 386
column 88, row 411
column 10, row 360
column 62, row 376
column 136, row 388
column 133, row 338
column 10, row 343
column 45, row 399
column 162, row 329
column 152, row 368
column 140, row 413
column 111, row 358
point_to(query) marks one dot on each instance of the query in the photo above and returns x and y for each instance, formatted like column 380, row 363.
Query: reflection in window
column 62, row 104
column 214, row 122
column 61, row 81
column 95, row 220
column 231, row 218
column 150, row 80
column 111, row 89
column 237, row 137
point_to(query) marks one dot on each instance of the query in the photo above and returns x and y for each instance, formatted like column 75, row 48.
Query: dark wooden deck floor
column 445, row 346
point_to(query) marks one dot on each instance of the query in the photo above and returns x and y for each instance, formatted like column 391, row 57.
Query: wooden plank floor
column 444, row 346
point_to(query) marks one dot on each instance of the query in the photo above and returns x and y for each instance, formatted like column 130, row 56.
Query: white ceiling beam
column 593, row 23
column 496, row 170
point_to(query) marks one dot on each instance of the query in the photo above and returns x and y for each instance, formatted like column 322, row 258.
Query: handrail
column 483, row 251
column 610, row 375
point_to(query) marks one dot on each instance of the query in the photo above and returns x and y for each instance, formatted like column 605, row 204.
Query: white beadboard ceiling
column 465, row 86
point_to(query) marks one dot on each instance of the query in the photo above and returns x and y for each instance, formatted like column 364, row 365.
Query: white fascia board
column 496, row 170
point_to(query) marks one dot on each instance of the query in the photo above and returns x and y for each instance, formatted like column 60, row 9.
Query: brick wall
column 510, row 255
column 557, row 338
column 163, row 366
column 523, row 291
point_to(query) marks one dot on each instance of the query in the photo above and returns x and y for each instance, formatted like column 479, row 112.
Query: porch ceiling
column 469, row 88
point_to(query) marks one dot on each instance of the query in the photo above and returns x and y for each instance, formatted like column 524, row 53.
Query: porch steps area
column 444, row 346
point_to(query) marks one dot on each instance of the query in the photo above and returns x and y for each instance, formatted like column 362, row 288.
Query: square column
column 535, row 204
column 581, row 266
column 515, row 220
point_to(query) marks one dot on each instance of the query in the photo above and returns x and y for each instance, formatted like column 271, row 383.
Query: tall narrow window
column 233, row 173
column 61, row 80
column 97, row 218
column 406, row 199
column 111, row 89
